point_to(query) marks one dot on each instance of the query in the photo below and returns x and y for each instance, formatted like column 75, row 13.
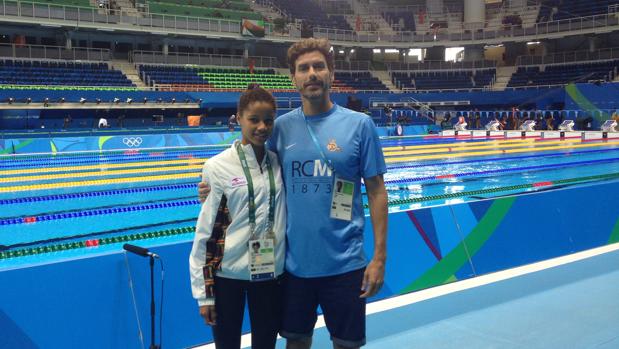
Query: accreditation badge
column 261, row 259
column 341, row 201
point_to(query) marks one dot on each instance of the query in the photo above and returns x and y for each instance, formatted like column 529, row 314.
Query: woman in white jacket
column 239, row 245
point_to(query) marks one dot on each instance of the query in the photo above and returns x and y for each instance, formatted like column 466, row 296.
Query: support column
column 165, row 47
column 473, row 53
column 513, row 50
column 474, row 14
column 593, row 43
column 403, row 55
column 67, row 40
column 248, row 49
column 434, row 6
column 435, row 53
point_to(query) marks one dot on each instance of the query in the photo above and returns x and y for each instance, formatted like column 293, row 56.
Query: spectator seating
column 43, row 73
column 357, row 81
column 223, row 4
column 444, row 80
column 178, row 78
column 573, row 8
column 311, row 14
column 401, row 21
column 80, row 3
column 182, row 9
column 217, row 78
column 562, row 74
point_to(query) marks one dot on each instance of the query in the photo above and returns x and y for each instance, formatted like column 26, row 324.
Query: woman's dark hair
column 255, row 93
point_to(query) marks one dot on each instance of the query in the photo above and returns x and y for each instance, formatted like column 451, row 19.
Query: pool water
column 55, row 207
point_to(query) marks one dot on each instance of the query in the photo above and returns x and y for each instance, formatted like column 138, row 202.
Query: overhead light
column 129, row 100
column 116, row 100
column 82, row 100
column 533, row 43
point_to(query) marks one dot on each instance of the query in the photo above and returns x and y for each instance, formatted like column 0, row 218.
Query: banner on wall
column 252, row 27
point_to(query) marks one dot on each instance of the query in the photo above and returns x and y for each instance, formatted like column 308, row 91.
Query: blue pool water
column 49, row 200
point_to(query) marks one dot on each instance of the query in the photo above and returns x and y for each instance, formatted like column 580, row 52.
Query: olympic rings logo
column 132, row 141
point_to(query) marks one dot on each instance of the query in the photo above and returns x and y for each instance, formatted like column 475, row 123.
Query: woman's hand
column 203, row 190
column 209, row 314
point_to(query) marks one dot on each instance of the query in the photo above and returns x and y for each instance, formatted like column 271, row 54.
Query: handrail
column 352, row 65
column 441, row 65
column 501, row 32
column 61, row 14
column 181, row 58
column 46, row 52
column 569, row 57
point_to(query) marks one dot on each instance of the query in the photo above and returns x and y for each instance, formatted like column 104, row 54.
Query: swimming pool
column 61, row 206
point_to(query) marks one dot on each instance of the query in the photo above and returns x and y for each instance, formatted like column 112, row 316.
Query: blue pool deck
column 570, row 302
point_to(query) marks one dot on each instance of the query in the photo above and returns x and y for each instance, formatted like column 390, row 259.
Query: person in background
column 67, row 121
column 231, row 122
column 102, row 123
column 239, row 245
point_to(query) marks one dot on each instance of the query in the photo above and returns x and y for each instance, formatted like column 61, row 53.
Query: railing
column 54, row 52
column 480, row 89
column 352, row 65
column 441, row 65
column 156, row 57
column 568, row 57
column 81, row 16
column 499, row 33
column 85, row 15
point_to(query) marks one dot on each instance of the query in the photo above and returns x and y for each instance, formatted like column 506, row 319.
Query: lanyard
column 251, row 195
column 315, row 140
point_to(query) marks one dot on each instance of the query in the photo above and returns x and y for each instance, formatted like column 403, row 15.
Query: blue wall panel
column 88, row 302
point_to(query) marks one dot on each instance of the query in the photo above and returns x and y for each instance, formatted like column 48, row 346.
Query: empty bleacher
column 179, row 78
column 311, row 14
column 444, row 80
column 573, row 8
column 357, row 81
column 54, row 73
column 400, row 21
column 563, row 73
column 203, row 8
column 80, row 3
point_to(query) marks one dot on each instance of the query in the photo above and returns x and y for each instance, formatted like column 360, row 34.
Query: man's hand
column 203, row 190
column 373, row 278
column 209, row 314
column 374, row 275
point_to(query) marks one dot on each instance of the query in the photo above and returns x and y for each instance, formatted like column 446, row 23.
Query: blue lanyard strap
column 315, row 140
